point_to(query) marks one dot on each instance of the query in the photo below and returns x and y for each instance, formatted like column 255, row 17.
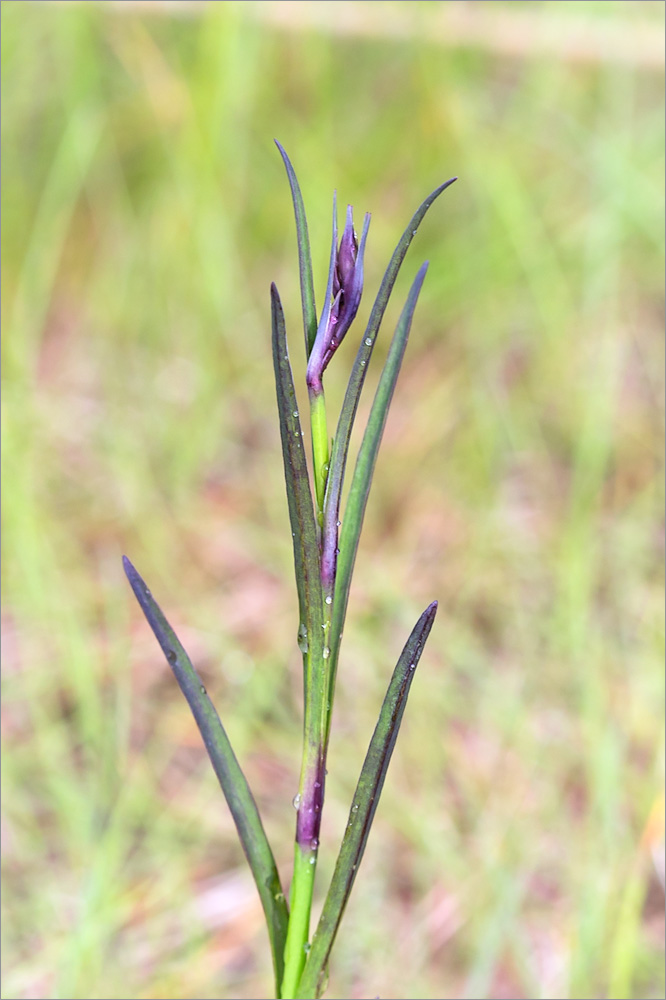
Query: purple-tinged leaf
column 342, row 562
column 338, row 460
column 364, row 805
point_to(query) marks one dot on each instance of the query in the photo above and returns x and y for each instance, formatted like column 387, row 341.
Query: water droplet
column 338, row 523
column 362, row 364
column 412, row 666
column 329, row 599
column 314, row 843
column 326, row 652
column 171, row 656
column 368, row 341
column 355, row 807
column 317, row 784
column 295, row 413
column 413, row 232
column 296, row 801
column 278, row 896
column 312, row 861
column 306, row 947
column 303, row 644
column 202, row 689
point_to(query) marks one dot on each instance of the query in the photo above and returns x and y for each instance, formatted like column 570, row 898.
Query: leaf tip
column 443, row 187
column 428, row 619
column 133, row 576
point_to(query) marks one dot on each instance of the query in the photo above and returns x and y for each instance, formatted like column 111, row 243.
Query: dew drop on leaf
column 303, row 638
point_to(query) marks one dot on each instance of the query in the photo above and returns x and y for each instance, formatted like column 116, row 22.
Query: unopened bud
column 347, row 253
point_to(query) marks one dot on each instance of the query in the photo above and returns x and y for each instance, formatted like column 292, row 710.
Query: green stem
column 320, row 451
column 300, row 901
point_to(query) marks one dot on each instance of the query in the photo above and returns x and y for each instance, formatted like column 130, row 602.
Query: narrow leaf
column 338, row 460
column 365, row 465
column 304, row 256
column 229, row 774
column 363, row 808
column 299, row 496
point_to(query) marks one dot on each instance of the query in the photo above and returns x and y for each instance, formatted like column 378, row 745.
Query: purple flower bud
column 348, row 252
column 346, row 288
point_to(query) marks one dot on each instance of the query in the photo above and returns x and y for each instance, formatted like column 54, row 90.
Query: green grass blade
column 362, row 478
column 304, row 256
column 299, row 496
column 360, row 368
column 338, row 459
column 365, row 802
column 229, row 774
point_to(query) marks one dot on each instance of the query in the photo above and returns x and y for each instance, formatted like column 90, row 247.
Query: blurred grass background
column 516, row 852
